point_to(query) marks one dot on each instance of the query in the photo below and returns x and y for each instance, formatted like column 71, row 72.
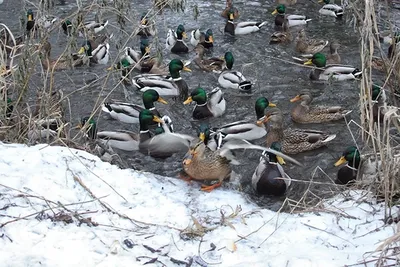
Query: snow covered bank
column 138, row 218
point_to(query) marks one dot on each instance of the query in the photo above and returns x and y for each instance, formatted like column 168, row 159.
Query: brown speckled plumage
column 304, row 113
column 293, row 140
column 206, row 164
column 308, row 46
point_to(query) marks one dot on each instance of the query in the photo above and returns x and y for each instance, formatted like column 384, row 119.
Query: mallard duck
column 205, row 39
column 286, row 2
column 201, row 163
column 122, row 140
column 308, row 46
column 146, row 29
column 291, row 20
column 378, row 97
column 66, row 25
column 304, row 113
column 293, row 140
column 241, row 27
column 129, row 113
column 334, row 72
column 99, row 55
column 269, row 178
column 208, row 105
column 232, row 79
column 30, row 24
column 47, row 21
column 334, row 57
column 165, row 86
column 244, row 129
column 174, row 41
column 229, row 6
column 284, row 36
column 95, row 26
column 214, row 64
column 329, row 9
column 60, row 63
column 348, row 173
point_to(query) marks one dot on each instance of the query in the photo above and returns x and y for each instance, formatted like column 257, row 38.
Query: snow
column 166, row 219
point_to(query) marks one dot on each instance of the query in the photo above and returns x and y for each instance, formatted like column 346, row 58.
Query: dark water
column 259, row 61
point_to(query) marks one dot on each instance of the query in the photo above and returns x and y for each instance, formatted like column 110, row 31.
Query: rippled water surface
column 259, row 61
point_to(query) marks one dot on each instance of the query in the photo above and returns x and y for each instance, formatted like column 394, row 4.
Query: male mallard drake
column 269, row 178
column 378, row 97
column 175, row 42
column 293, row 140
column 140, row 60
column 303, row 113
column 284, row 36
column 208, row 105
column 241, row 27
column 348, row 173
column 201, row 163
column 308, row 46
column 95, row 26
column 205, row 39
column 209, row 64
column 146, row 29
column 291, row 20
column 229, row 6
column 246, row 130
column 172, row 85
column 334, row 57
column 30, row 24
column 329, row 9
column 100, row 55
column 60, row 63
column 334, row 72
column 232, row 79
column 66, row 25
column 129, row 113
column 123, row 140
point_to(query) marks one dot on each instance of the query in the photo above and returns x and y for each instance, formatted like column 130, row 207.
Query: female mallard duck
column 334, row 72
column 284, row 36
column 214, row 64
column 60, row 63
column 269, row 178
column 146, row 29
column 308, row 46
column 232, row 79
column 329, row 9
column 129, row 113
column 303, row 113
column 246, row 130
column 293, row 140
column 229, row 6
column 348, row 173
column 165, row 86
column 291, row 20
column 201, row 163
column 205, row 39
column 175, row 42
column 100, row 55
column 208, row 105
column 334, row 57
column 123, row 140
column 241, row 27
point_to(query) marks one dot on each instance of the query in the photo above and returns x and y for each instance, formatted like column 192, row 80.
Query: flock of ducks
column 209, row 154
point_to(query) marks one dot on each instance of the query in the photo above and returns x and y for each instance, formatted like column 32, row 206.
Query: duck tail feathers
column 329, row 138
column 261, row 24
